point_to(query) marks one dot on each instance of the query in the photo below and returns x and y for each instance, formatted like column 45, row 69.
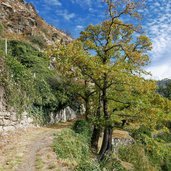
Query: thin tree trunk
column 6, row 46
column 87, row 106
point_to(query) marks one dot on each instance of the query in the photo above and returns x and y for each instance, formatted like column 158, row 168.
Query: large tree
column 110, row 57
column 119, row 52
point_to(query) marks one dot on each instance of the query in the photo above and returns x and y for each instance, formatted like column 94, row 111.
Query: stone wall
column 8, row 119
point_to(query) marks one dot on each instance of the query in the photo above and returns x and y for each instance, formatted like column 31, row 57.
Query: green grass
column 73, row 148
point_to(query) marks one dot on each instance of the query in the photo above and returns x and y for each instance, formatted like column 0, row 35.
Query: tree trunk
column 105, row 143
column 109, row 147
column 107, row 138
column 95, row 137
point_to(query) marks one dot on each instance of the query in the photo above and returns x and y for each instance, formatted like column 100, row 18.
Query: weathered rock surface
column 121, row 138
column 21, row 21
column 63, row 115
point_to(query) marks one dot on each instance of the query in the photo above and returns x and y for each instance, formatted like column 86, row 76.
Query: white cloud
column 79, row 27
column 65, row 14
column 159, row 72
column 158, row 28
column 88, row 3
column 60, row 11
column 83, row 2
column 53, row 2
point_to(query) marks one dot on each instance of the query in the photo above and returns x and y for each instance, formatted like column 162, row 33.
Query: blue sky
column 74, row 15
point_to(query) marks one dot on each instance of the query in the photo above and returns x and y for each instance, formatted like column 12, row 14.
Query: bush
column 39, row 116
column 39, row 40
column 137, row 134
column 111, row 163
column 73, row 148
column 136, row 155
column 158, row 153
column 166, row 136
column 19, row 84
column 166, row 166
column 84, row 128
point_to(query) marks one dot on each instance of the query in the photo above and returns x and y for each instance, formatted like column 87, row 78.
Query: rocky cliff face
column 63, row 115
column 21, row 20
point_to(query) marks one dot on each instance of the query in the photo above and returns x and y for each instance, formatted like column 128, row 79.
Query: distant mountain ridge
column 163, row 83
column 164, row 88
column 21, row 21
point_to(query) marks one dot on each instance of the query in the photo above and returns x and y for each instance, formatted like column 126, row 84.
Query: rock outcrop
column 121, row 138
column 21, row 20
column 63, row 115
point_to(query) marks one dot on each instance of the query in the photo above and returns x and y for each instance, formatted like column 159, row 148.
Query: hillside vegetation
column 30, row 82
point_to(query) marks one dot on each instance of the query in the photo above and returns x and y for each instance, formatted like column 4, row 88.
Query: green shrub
column 2, row 47
column 139, row 133
column 39, row 116
column 158, row 152
column 166, row 166
column 39, row 40
column 136, row 155
column 19, row 84
column 82, row 127
column 166, row 136
column 72, row 146
column 111, row 163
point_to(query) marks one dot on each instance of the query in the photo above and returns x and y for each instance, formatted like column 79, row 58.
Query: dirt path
column 30, row 150
column 44, row 140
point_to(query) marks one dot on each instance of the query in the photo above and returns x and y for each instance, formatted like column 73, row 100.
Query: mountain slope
column 21, row 21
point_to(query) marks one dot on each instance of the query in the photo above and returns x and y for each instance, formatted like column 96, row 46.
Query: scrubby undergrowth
column 72, row 147
column 30, row 82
